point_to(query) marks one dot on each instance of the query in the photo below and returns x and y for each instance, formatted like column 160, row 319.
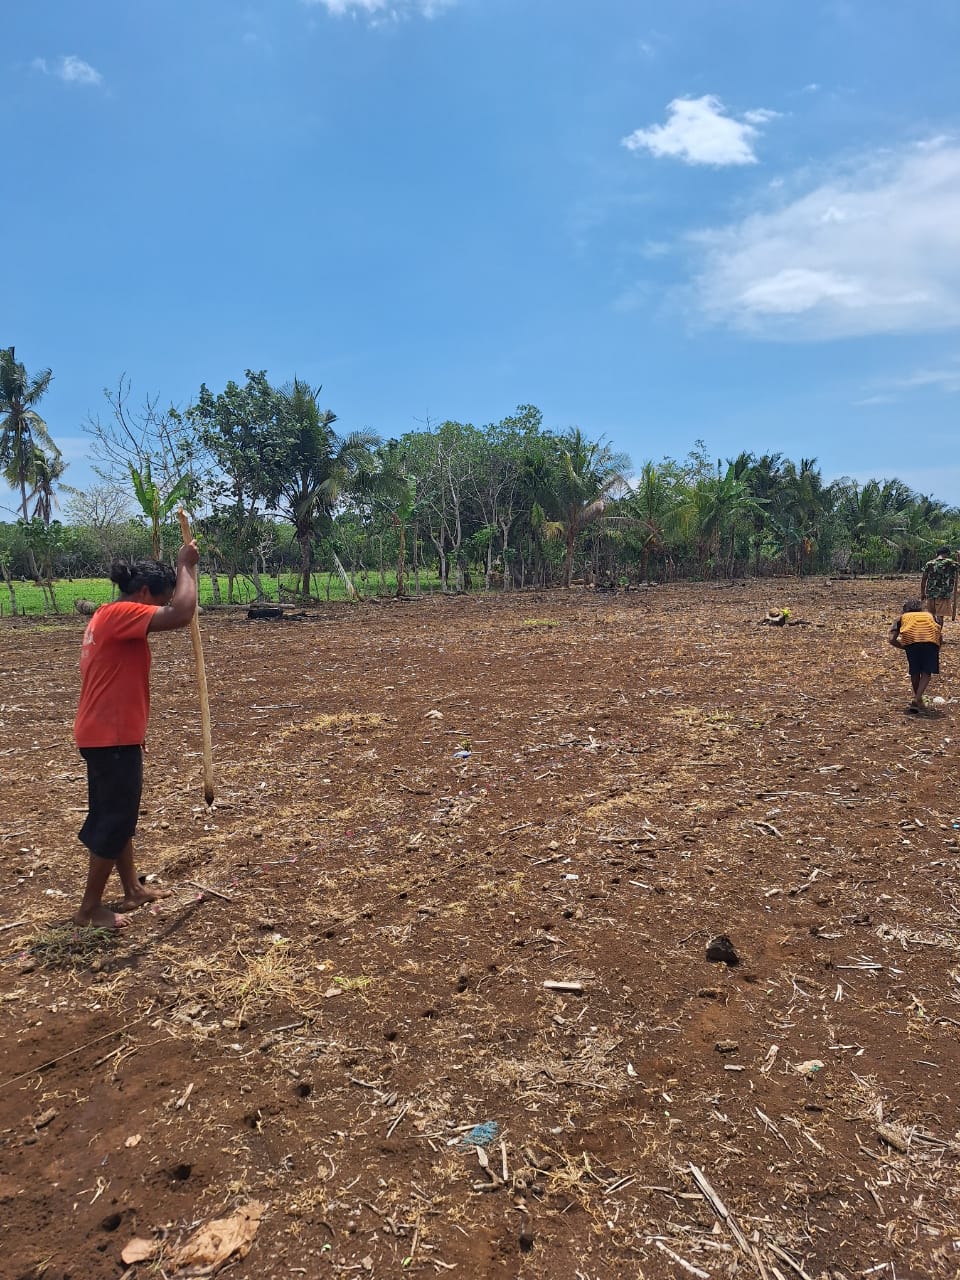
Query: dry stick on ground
column 205, row 888
column 721, row 1210
column 201, row 678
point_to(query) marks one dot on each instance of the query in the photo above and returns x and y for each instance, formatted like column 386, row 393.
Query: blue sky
column 737, row 221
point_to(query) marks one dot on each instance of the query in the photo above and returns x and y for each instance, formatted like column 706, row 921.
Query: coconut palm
column 711, row 512
column 588, row 478
column 317, row 468
column 46, row 471
column 391, row 492
column 653, row 510
column 764, row 482
column 22, row 430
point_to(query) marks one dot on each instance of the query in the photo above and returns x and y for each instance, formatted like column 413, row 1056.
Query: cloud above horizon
column 700, row 131
column 70, row 69
column 382, row 9
column 873, row 249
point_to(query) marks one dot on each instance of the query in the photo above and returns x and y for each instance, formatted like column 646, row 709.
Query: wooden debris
column 181, row 1102
column 565, row 988
column 720, row 1209
column 682, row 1262
column 888, row 1134
column 205, row 888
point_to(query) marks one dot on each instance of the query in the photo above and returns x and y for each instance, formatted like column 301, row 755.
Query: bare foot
column 141, row 896
column 100, row 918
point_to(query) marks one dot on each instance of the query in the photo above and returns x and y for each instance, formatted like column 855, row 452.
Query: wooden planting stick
column 201, row 679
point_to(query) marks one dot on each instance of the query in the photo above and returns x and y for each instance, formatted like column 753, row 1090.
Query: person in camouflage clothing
column 938, row 582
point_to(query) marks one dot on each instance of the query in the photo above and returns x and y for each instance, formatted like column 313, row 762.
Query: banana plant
column 153, row 503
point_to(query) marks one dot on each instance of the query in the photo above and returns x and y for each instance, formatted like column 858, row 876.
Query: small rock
column 727, row 1046
column 809, row 1069
column 721, row 951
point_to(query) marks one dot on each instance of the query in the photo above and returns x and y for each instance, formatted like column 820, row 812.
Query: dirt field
column 425, row 812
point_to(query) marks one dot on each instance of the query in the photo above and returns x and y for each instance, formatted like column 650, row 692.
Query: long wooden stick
column 201, row 680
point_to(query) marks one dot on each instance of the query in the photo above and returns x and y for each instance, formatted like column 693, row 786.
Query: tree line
column 275, row 487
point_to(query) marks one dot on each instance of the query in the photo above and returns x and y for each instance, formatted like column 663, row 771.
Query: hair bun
column 121, row 574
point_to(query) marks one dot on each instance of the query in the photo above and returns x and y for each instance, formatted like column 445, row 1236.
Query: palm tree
column 22, row 430
column 589, row 477
column 764, row 481
column 923, row 523
column 712, row 508
column 318, row 467
column 800, row 505
column 873, row 514
column 46, row 471
column 392, row 492
column 653, row 510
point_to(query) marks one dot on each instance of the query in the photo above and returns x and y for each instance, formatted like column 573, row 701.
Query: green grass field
column 31, row 601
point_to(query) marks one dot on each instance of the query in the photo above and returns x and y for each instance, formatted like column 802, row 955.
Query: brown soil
column 427, row 810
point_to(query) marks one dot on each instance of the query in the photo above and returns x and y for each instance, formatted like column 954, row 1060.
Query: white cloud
column 381, row 9
column 70, row 69
column 875, row 249
column 943, row 379
column 699, row 131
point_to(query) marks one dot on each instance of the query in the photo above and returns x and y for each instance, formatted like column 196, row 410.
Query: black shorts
column 923, row 659
column 114, row 784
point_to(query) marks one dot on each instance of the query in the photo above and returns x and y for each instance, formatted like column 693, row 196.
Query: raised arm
column 179, row 611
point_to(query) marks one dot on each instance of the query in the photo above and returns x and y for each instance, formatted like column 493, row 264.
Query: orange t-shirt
column 115, row 677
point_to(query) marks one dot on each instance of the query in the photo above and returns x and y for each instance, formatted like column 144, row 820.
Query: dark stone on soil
column 721, row 951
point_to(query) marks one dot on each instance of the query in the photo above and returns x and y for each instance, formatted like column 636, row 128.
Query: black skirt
column 114, row 785
column 923, row 659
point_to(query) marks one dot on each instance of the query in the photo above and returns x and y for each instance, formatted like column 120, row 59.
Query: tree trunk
column 305, row 557
column 401, row 556
column 9, row 581
column 568, row 559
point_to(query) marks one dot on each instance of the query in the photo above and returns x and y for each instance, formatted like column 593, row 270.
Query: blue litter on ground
column 481, row 1135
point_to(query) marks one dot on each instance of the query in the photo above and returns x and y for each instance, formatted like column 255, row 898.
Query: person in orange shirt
column 111, row 722
column 918, row 633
